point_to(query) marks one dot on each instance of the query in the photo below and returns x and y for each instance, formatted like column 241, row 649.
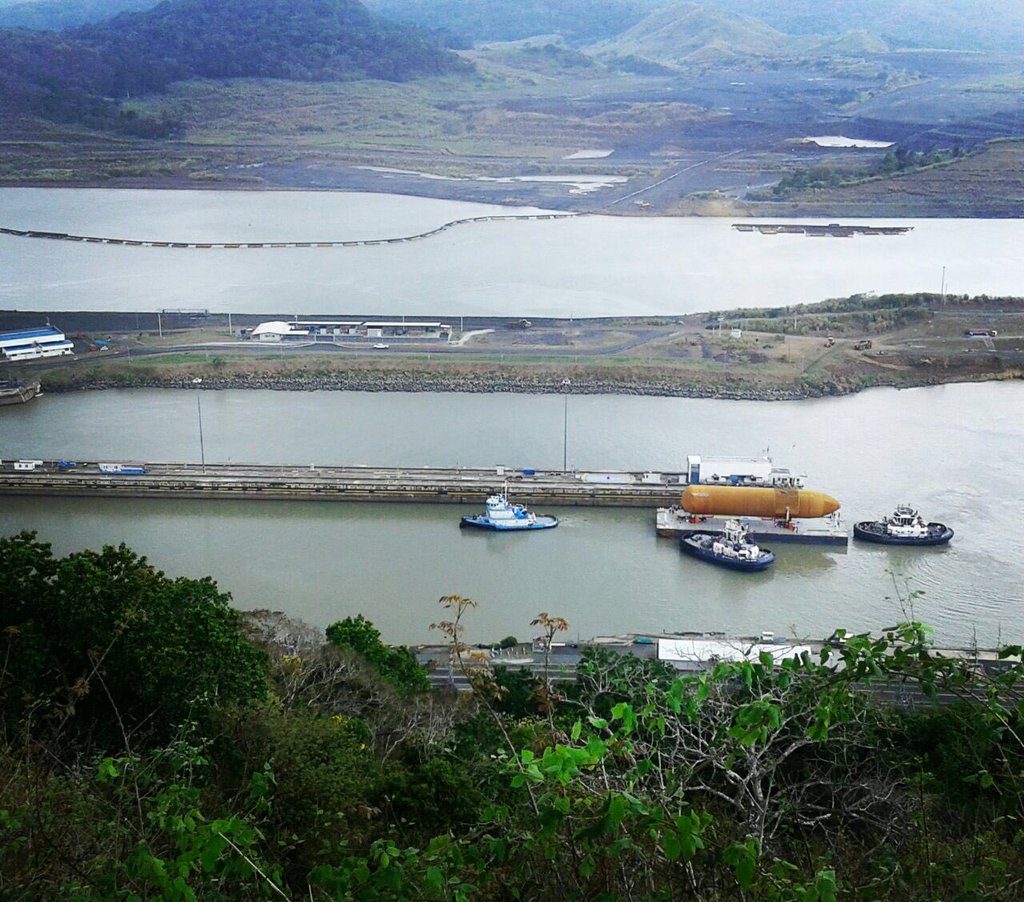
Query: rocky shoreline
column 397, row 381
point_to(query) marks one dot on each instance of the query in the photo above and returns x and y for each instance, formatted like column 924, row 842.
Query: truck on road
column 123, row 469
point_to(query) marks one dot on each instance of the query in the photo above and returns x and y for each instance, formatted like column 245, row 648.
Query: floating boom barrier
column 236, row 245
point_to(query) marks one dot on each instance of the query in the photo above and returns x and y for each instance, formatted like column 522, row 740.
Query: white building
column 280, row 331
column 32, row 344
column 702, row 652
column 313, row 330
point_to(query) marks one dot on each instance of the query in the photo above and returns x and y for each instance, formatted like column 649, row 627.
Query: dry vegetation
column 810, row 351
column 987, row 183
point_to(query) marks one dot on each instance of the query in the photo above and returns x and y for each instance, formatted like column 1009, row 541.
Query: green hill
column 76, row 75
column 687, row 32
column 304, row 40
column 947, row 24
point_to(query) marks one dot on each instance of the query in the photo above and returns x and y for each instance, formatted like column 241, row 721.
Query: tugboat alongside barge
column 731, row 548
column 770, row 502
column 904, row 527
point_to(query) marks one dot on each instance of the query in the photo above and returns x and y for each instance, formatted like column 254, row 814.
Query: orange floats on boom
column 745, row 501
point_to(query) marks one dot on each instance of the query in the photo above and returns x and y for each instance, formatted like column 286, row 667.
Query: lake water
column 952, row 450
column 586, row 266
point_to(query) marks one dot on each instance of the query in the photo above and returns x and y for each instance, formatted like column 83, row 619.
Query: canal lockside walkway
column 334, row 483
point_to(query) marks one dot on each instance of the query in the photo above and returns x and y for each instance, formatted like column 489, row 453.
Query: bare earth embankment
column 837, row 347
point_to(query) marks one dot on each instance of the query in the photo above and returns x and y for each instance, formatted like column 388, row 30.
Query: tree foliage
column 81, row 75
column 102, row 643
column 396, row 664
column 894, row 162
column 304, row 40
column 798, row 779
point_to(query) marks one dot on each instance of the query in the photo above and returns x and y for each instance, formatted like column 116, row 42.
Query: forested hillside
column 155, row 743
column 79, row 74
column 305, row 40
column 949, row 24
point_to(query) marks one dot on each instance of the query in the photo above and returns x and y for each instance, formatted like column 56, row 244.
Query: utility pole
column 943, row 289
column 159, row 324
column 199, row 410
column 565, row 425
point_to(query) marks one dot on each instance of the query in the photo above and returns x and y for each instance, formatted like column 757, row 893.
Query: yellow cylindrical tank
column 746, row 501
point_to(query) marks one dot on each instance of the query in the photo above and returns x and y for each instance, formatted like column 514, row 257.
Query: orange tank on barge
column 750, row 501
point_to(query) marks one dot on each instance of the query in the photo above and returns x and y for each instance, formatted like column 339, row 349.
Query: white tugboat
column 905, row 526
column 503, row 516
column 730, row 548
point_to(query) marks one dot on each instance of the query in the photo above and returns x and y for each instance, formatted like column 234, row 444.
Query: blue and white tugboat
column 503, row 516
column 730, row 548
column 904, row 527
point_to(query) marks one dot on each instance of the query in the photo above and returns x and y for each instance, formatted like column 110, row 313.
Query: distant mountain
column 55, row 15
column 578, row 21
column 304, row 40
column 945, row 24
column 72, row 75
column 851, row 43
column 685, row 33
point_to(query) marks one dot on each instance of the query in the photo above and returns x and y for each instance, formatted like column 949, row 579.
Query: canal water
column 584, row 266
column 952, row 450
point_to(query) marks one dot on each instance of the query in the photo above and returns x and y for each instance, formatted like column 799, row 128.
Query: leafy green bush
column 396, row 664
column 101, row 644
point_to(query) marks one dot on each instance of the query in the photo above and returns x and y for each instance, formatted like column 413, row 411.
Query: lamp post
column 565, row 424
column 199, row 410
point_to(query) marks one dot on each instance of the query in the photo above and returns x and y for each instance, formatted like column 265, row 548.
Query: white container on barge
column 757, row 471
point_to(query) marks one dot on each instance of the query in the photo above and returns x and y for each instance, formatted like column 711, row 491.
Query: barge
column 831, row 230
column 675, row 523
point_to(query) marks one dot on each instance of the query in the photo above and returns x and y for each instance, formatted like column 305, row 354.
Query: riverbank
column 833, row 348
column 482, row 379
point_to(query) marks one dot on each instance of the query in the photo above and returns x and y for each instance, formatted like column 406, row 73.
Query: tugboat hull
column 874, row 531
column 542, row 522
column 690, row 544
column 18, row 392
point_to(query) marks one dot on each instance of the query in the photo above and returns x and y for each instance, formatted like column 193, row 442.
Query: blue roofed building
column 32, row 344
